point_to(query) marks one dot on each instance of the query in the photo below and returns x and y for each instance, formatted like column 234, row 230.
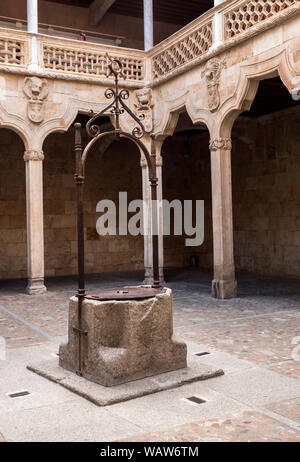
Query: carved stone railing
column 12, row 50
column 246, row 14
column 218, row 29
column 68, row 56
column 191, row 42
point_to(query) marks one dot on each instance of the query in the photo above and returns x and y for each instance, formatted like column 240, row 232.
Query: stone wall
column 117, row 169
column 186, row 176
column 266, row 199
column 266, row 193
column 13, row 262
column 75, row 17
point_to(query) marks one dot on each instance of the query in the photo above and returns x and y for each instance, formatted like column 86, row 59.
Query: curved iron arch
column 117, row 107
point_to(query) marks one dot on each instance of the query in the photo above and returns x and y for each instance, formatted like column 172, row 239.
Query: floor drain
column 202, row 354
column 195, row 399
column 18, row 394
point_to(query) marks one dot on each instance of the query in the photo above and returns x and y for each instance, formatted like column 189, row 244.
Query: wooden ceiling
column 172, row 11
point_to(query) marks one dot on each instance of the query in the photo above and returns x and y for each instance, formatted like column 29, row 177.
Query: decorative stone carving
column 36, row 90
column 247, row 14
column 222, row 143
column 179, row 53
column 212, row 73
column 143, row 107
column 33, row 155
column 83, row 60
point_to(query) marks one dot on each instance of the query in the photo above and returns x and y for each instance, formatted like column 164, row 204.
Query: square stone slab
column 104, row 396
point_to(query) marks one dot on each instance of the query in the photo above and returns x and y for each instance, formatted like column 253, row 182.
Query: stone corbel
column 143, row 107
column 33, row 155
column 221, row 143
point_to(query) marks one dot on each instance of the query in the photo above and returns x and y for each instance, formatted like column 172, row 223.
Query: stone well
column 126, row 340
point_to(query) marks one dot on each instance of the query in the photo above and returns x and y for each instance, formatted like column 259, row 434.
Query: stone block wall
column 266, row 193
column 13, row 262
column 117, row 169
column 186, row 176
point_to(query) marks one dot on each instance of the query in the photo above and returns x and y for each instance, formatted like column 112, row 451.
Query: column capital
column 159, row 161
column 220, row 143
column 33, row 155
column 143, row 161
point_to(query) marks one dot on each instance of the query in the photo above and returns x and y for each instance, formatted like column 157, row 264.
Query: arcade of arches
column 223, row 128
column 266, row 198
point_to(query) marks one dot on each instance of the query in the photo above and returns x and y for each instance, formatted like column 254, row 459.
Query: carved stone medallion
column 36, row 90
column 212, row 73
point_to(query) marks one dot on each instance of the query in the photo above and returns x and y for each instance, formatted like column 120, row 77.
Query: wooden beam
column 98, row 10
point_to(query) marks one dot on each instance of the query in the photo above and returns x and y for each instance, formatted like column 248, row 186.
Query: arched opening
column 113, row 167
column 13, row 247
column 265, row 178
column 187, row 177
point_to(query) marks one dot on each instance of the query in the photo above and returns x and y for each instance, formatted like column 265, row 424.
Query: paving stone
column 259, row 326
column 106, row 395
column 248, row 427
column 252, row 334
column 289, row 409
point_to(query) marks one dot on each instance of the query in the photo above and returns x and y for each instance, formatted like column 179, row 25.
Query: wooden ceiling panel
column 175, row 11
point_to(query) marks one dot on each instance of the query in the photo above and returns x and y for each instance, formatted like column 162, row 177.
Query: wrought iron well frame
column 117, row 107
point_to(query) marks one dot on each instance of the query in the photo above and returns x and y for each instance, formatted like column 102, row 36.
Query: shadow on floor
column 249, row 285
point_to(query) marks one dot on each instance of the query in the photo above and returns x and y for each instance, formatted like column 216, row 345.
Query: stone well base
column 127, row 340
column 104, row 396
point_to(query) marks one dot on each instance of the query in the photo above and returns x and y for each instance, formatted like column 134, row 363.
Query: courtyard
column 210, row 129
column 253, row 338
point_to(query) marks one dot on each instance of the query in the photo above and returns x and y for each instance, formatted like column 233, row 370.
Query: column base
column 36, row 286
column 148, row 278
column 223, row 289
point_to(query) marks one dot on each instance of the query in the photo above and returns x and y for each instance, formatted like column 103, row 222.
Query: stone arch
column 170, row 120
column 17, row 129
column 186, row 176
column 64, row 122
column 265, row 66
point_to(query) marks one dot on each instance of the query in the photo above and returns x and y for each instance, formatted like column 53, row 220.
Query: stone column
column 148, row 24
column 218, row 30
column 35, row 222
column 148, row 263
column 147, row 223
column 32, row 28
column 224, row 284
column 159, row 164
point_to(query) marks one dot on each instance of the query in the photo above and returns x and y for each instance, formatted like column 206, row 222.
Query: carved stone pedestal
column 126, row 340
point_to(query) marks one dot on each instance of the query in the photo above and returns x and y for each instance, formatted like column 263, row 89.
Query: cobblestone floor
column 262, row 326
column 249, row 427
column 290, row 409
